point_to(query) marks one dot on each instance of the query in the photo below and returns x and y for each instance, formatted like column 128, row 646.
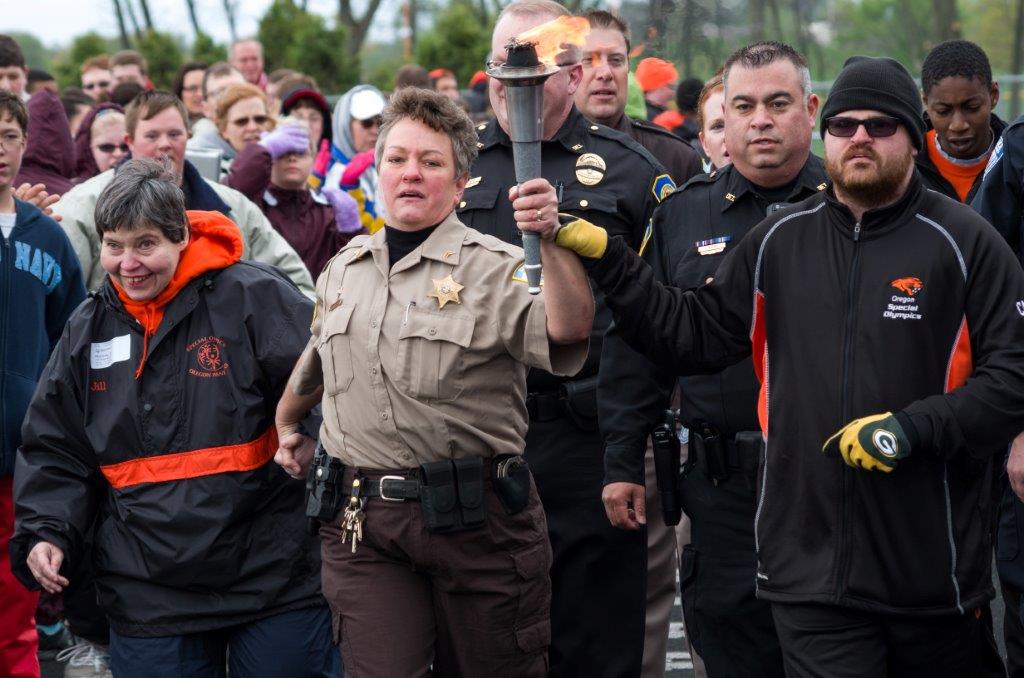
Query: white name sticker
column 106, row 353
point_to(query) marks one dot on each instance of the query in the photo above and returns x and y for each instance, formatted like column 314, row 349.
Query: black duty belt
column 392, row 488
column 576, row 399
column 717, row 454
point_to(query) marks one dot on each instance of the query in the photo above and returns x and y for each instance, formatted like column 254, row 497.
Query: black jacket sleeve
column 632, row 391
column 279, row 338
column 982, row 415
column 999, row 199
column 691, row 332
column 57, row 484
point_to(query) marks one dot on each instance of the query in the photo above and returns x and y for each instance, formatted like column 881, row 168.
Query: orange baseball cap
column 653, row 73
column 477, row 78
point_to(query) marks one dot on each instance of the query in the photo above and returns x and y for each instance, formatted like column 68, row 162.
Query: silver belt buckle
column 381, row 488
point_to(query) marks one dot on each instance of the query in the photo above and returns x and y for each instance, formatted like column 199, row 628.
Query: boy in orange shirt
column 959, row 99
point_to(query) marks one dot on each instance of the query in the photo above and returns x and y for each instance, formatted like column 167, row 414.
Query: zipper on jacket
column 846, row 485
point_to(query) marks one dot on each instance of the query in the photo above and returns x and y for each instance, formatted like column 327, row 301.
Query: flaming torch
column 529, row 63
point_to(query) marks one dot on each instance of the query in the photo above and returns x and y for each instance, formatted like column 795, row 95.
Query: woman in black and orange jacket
column 155, row 419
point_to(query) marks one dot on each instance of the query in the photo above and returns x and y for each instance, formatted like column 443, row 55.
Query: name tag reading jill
column 106, row 353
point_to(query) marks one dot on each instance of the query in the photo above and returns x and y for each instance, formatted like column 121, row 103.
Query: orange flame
column 556, row 36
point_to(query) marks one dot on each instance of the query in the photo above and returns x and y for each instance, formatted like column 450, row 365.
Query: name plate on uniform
column 712, row 246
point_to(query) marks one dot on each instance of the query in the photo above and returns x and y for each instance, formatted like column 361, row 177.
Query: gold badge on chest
column 590, row 169
column 445, row 290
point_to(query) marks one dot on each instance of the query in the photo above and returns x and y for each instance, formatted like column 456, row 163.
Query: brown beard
column 873, row 187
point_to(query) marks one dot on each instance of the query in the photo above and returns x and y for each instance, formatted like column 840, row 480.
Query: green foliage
column 295, row 38
column 380, row 61
column 36, row 54
column 163, row 54
column 381, row 73
column 882, row 27
column 206, row 50
column 66, row 63
column 458, row 42
column 319, row 51
column 990, row 24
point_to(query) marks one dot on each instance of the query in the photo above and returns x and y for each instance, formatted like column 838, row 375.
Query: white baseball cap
column 366, row 104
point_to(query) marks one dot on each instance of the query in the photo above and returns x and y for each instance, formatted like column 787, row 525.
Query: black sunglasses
column 258, row 119
column 375, row 121
column 839, row 126
column 110, row 148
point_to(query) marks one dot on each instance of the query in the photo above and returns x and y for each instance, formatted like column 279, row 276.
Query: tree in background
column 358, row 26
column 36, row 54
column 66, row 63
column 163, row 54
column 458, row 42
column 206, row 50
column 295, row 38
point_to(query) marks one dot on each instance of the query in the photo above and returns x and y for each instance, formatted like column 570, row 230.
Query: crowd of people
column 278, row 399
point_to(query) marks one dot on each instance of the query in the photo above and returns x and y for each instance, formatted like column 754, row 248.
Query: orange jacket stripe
column 193, row 463
column 759, row 354
column 960, row 360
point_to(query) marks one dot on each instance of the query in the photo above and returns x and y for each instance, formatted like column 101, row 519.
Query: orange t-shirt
column 961, row 176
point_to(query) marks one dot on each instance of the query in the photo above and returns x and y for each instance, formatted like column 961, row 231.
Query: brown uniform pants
column 411, row 603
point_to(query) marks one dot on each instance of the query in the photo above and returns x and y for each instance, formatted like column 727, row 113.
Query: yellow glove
column 582, row 237
column 871, row 443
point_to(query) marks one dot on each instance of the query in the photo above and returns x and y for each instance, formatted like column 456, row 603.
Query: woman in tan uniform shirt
column 436, row 556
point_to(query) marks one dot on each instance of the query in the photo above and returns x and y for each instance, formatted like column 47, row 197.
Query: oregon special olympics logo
column 886, row 443
column 207, row 357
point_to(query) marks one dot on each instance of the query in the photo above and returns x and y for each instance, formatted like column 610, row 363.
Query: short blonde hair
column 108, row 117
column 232, row 95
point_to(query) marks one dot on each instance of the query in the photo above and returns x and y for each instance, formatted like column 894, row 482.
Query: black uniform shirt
column 692, row 231
column 682, row 162
column 605, row 177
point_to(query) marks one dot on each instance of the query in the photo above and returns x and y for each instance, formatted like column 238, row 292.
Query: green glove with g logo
column 872, row 443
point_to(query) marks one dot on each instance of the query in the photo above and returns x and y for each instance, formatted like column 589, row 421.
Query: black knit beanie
column 877, row 84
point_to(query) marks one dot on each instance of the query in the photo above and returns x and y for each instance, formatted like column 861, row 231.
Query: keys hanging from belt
column 352, row 519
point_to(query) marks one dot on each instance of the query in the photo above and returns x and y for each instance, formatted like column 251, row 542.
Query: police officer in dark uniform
column 601, row 96
column 598, row 572
column 769, row 121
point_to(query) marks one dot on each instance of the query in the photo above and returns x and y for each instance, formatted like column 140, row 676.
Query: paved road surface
column 678, row 663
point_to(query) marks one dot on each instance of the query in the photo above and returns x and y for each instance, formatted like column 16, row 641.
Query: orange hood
column 214, row 243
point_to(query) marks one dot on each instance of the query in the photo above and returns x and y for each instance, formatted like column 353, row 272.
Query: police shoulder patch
column 648, row 232
column 662, row 187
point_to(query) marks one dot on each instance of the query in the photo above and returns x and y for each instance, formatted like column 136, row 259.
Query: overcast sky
column 55, row 22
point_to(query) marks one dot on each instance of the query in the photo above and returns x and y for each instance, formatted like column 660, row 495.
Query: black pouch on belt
column 749, row 450
column 323, row 488
column 469, row 472
column 511, row 480
column 438, row 498
column 581, row 402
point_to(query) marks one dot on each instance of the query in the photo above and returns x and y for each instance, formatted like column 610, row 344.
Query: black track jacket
column 196, row 527
column 918, row 309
